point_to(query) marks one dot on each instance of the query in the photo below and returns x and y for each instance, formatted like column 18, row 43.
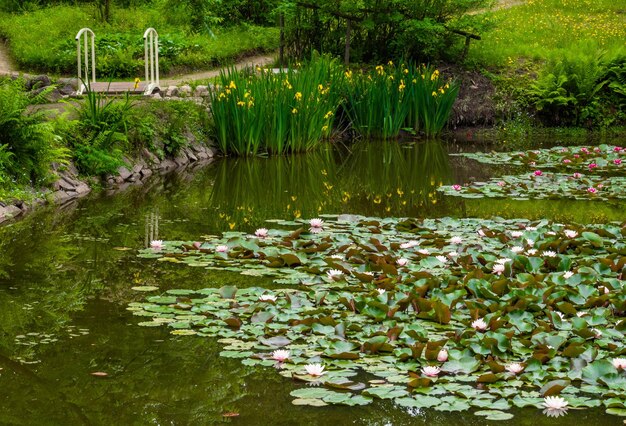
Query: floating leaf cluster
column 593, row 174
column 443, row 313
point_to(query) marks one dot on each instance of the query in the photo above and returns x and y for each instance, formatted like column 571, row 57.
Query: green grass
column 43, row 41
column 547, row 29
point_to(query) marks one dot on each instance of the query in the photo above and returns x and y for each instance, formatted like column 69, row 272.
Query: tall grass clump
column 377, row 102
column 28, row 141
column 388, row 99
column 287, row 112
column 431, row 98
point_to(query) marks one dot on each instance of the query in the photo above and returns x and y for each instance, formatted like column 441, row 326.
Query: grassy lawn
column 548, row 29
column 44, row 41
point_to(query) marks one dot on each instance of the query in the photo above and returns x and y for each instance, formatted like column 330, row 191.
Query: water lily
column 334, row 274
column 456, row 187
column 517, row 249
column 221, row 248
column 456, row 240
column 314, row 369
column 503, row 260
column 423, row 251
column 592, row 190
column 316, row 223
column 431, row 371
column 409, row 244
column 479, row 324
column 442, row 259
column 261, row 232
column 531, row 228
column 567, row 161
column 554, row 406
column 570, row 234
column 531, row 252
column 568, row 275
column 584, row 150
column 281, row 355
column 501, row 184
column 530, row 242
column 402, row 261
column 380, row 291
column 538, row 172
column 619, row 363
column 592, row 166
column 267, row 298
column 498, row 269
column 337, row 256
column 156, row 244
column 514, row 367
column 549, row 253
column 442, row 356
column 617, row 149
column 516, row 234
column 617, row 161
column 577, row 175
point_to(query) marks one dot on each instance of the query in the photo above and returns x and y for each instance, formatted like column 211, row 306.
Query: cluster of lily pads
column 587, row 173
column 448, row 314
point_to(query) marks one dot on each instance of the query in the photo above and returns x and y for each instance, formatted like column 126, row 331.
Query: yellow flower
column 241, row 103
column 441, row 90
column 137, row 81
column 320, row 87
column 232, row 225
column 222, row 96
column 402, row 86
column 328, row 115
column 294, row 111
column 380, row 69
column 298, row 96
column 349, row 74
column 377, row 199
column 228, row 91
column 390, row 63
column 324, row 129
column 434, row 94
column 250, row 103
column 232, row 85
column 405, row 71
column 246, row 95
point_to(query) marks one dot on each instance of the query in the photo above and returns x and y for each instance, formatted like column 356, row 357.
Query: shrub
column 28, row 142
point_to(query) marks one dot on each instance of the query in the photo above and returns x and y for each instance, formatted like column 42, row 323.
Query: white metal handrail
column 151, row 59
column 86, row 33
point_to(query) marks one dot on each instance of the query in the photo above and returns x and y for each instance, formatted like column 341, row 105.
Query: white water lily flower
column 514, row 367
column 453, row 254
column 156, row 244
column 409, row 244
column 442, row 356
column 568, row 275
column 531, row 228
column 517, row 249
column 554, row 406
column 456, row 240
column 221, row 248
column 402, row 261
column 316, row 223
column 581, row 314
column 479, row 324
column 267, row 298
column 337, row 256
column 380, row 291
column 498, row 268
column 423, row 251
column 314, row 369
column 503, row 260
column 281, row 355
column 549, row 253
column 551, row 233
column 530, row 242
column 334, row 273
column 431, row 371
column 442, row 259
column 531, row 252
column 516, row 234
column 570, row 234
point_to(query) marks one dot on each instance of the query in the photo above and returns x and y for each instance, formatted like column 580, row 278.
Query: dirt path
column 6, row 67
column 262, row 61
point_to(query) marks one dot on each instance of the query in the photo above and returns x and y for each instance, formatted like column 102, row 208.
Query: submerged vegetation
column 447, row 314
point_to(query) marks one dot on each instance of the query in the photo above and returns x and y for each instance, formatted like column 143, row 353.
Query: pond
column 72, row 353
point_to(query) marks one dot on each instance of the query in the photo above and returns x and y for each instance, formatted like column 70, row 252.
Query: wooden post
column 347, row 53
column 282, row 40
column 468, row 40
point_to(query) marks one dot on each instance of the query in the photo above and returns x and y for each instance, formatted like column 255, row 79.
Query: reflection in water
column 66, row 278
column 391, row 180
column 152, row 227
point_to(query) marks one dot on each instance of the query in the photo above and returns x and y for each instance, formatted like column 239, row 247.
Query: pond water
column 66, row 278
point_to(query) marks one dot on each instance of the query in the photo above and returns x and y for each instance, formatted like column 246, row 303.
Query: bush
column 28, row 142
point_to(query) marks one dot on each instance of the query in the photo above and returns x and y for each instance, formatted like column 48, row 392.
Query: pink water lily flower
column 456, row 187
column 456, row 240
column 221, row 248
column 617, row 149
column 402, row 261
column 592, row 166
column 570, row 234
column 577, row 175
column 281, row 355
column 479, row 324
column 442, row 356
column 316, row 223
column 592, row 190
column 617, row 161
column 538, row 172
column 431, row 371
column 498, row 268
column 501, row 184
column 261, row 232
column 619, row 363
column 567, row 161
column 314, row 369
column 584, row 150
column 156, row 244
column 554, row 406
